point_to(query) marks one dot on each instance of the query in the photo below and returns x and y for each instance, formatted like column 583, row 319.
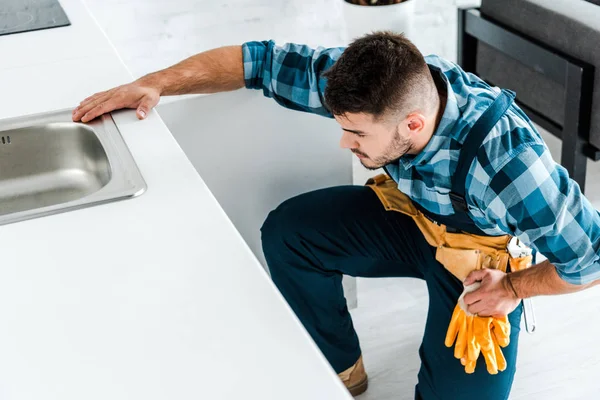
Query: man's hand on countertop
column 138, row 95
column 212, row 71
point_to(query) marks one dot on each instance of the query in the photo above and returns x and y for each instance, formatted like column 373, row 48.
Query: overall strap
column 473, row 142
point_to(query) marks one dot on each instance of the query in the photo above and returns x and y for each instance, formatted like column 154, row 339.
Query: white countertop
column 156, row 297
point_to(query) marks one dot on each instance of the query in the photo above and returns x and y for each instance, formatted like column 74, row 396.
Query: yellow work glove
column 460, row 330
column 490, row 340
column 474, row 335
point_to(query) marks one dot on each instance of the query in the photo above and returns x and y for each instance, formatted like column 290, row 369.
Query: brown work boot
column 355, row 378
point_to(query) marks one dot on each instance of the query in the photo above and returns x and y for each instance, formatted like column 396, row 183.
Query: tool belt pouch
column 518, row 264
column 459, row 253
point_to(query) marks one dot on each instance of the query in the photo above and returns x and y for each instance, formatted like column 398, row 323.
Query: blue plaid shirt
column 513, row 187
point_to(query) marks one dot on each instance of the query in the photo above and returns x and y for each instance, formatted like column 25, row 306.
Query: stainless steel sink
column 49, row 164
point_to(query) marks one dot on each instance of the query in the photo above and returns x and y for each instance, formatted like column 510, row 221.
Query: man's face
column 375, row 143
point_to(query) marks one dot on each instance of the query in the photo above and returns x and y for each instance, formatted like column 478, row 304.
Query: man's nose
column 347, row 141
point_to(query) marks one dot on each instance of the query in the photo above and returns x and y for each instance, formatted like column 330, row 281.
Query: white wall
column 153, row 34
column 253, row 154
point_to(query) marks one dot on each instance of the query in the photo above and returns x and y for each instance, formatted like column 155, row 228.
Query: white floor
column 561, row 361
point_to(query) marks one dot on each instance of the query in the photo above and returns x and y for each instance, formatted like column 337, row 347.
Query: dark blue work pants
column 311, row 240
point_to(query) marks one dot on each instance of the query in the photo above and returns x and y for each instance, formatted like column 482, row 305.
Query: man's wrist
column 509, row 287
column 540, row 280
column 153, row 80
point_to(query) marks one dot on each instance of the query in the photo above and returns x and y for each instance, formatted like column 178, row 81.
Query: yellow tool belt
column 459, row 253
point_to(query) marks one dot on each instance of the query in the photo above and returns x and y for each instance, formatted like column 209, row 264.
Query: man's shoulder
column 467, row 86
column 512, row 146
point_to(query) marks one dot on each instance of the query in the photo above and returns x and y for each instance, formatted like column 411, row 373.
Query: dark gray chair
column 547, row 52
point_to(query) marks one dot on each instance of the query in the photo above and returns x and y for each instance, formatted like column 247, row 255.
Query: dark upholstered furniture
column 547, row 51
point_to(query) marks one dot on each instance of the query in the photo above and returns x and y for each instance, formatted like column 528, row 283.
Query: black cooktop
column 30, row 15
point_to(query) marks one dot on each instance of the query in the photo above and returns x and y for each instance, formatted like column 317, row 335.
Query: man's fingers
column 128, row 96
column 85, row 108
column 144, row 108
column 91, row 100
column 476, row 308
column 473, row 297
column 474, row 276
column 97, row 110
column 104, row 107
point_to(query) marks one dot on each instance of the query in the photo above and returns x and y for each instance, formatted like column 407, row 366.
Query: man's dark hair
column 379, row 73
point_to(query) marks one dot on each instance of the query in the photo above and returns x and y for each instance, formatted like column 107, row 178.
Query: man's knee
column 318, row 208
column 281, row 225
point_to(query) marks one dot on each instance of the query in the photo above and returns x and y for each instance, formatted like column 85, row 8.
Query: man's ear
column 415, row 122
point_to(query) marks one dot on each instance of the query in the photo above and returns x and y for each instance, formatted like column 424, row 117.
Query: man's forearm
column 213, row 71
column 542, row 279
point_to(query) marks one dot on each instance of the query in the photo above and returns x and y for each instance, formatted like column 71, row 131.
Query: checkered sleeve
column 533, row 198
column 291, row 74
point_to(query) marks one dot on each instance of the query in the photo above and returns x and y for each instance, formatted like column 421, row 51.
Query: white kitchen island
column 155, row 297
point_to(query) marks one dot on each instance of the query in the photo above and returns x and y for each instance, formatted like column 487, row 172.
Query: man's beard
column 397, row 148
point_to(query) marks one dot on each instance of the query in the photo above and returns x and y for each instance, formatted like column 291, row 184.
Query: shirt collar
column 444, row 129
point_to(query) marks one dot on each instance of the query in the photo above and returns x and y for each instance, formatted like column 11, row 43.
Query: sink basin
column 49, row 164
